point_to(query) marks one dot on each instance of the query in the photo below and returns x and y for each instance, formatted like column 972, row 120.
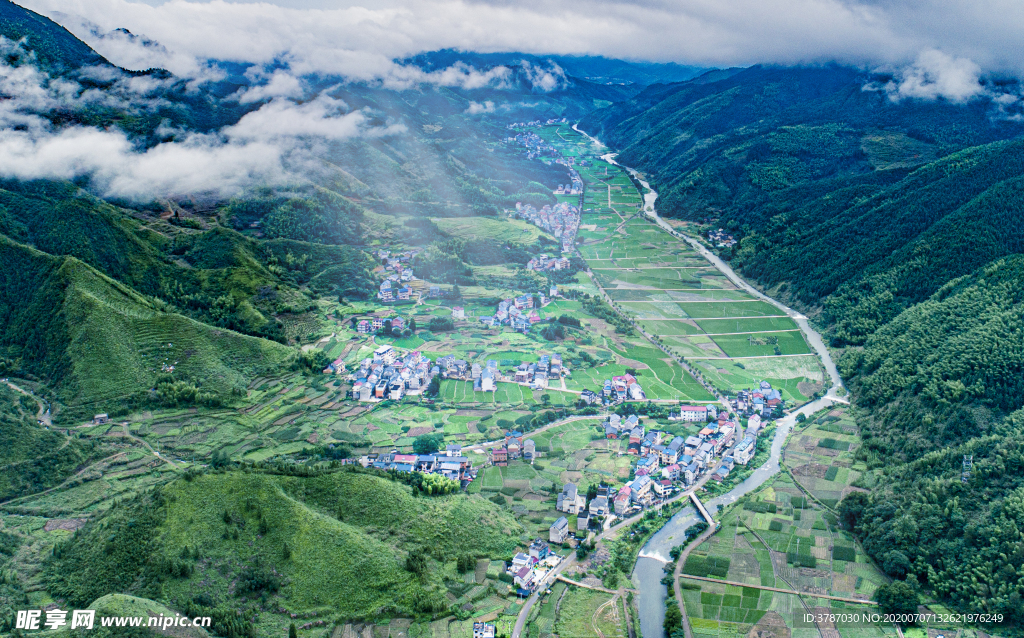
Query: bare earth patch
column 69, row 524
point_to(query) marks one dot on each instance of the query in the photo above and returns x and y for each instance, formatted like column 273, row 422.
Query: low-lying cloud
column 935, row 74
column 273, row 145
column 360, row 39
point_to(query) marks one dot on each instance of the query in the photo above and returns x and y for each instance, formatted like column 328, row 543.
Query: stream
column 649, row 569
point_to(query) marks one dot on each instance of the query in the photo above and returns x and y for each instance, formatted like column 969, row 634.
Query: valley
column 417, row 356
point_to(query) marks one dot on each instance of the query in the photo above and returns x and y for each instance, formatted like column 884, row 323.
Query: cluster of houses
column 544, row 262
column 762, row 401
column 615, row 390
column 518, row 313
column 663, row 461
column 388, row 376
column 449, row 464
column 397, row 275
column 377, row 323
column 537, row 375
column 535, row 144
column 573, row 502
column 529, row 568
column 513, row 447
column 561, row 220
column 721, row 239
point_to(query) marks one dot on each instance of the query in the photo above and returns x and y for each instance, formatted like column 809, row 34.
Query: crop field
column 470, row 228
column 821, row 456
column 584, row 613
column 672, row 292
column 775, row 537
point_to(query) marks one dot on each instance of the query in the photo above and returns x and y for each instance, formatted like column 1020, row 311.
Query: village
column 665, row 464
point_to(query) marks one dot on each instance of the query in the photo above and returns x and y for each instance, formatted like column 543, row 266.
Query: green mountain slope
column 99, row 341
column 33, row 458
column 54, row 46
column 246, row 540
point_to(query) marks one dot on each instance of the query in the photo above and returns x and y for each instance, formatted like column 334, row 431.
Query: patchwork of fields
column 670, row 291
column 780, row 537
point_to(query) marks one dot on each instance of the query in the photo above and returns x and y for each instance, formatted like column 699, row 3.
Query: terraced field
column 733, row 339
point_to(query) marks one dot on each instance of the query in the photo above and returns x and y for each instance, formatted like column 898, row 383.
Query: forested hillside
column 895, row 224
column 239, row 545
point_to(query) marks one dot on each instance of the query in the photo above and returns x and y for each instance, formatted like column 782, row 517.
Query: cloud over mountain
column 359, row 39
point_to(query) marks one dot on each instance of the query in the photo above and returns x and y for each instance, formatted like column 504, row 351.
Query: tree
column 673, row 618
column 427, row 443
column 897, row 598
column 412, row 324
column 896, row 564
column 292, row 631
column 434, row 388
column 852, row 508
column 800, row 418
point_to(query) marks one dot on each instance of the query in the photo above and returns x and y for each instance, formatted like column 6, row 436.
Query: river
column 649, row 569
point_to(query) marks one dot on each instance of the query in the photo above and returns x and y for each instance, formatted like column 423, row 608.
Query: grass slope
column 100, row 340
column 347, row 536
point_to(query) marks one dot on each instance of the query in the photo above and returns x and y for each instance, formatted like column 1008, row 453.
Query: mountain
column 217, row 545
column 893, row 222
column 596, row 69
column 56, row 48
column 97, row 341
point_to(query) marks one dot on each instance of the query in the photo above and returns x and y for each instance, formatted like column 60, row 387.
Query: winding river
column 649, row 569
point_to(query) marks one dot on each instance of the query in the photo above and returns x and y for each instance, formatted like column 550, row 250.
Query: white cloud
column 476, row 108
column 935, row 74
column 280, row 84
column 275, row 144
column 360, row 39
column 545, row 80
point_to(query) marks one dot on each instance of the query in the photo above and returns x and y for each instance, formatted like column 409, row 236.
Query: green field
column 470, row 228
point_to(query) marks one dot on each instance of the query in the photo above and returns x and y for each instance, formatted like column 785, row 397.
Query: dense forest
column 894, row 224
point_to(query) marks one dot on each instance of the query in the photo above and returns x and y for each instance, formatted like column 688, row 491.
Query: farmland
column 658, row 281
column 786, row 536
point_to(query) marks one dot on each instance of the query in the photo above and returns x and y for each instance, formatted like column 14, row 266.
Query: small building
column 529, row 450
column 559, row 530
column 539, row 550
column 745, row 450
column 458, row 312
column 570, row 500
column 524, row 579
column 499, row 456
column 483, row 630
column 100, row 419
column 385, row 353
column 582, row 522
column 662, row 487
column 520, row 560
column 599, row 506
column 363, row 327
column 621, row 500
column 693, row 413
